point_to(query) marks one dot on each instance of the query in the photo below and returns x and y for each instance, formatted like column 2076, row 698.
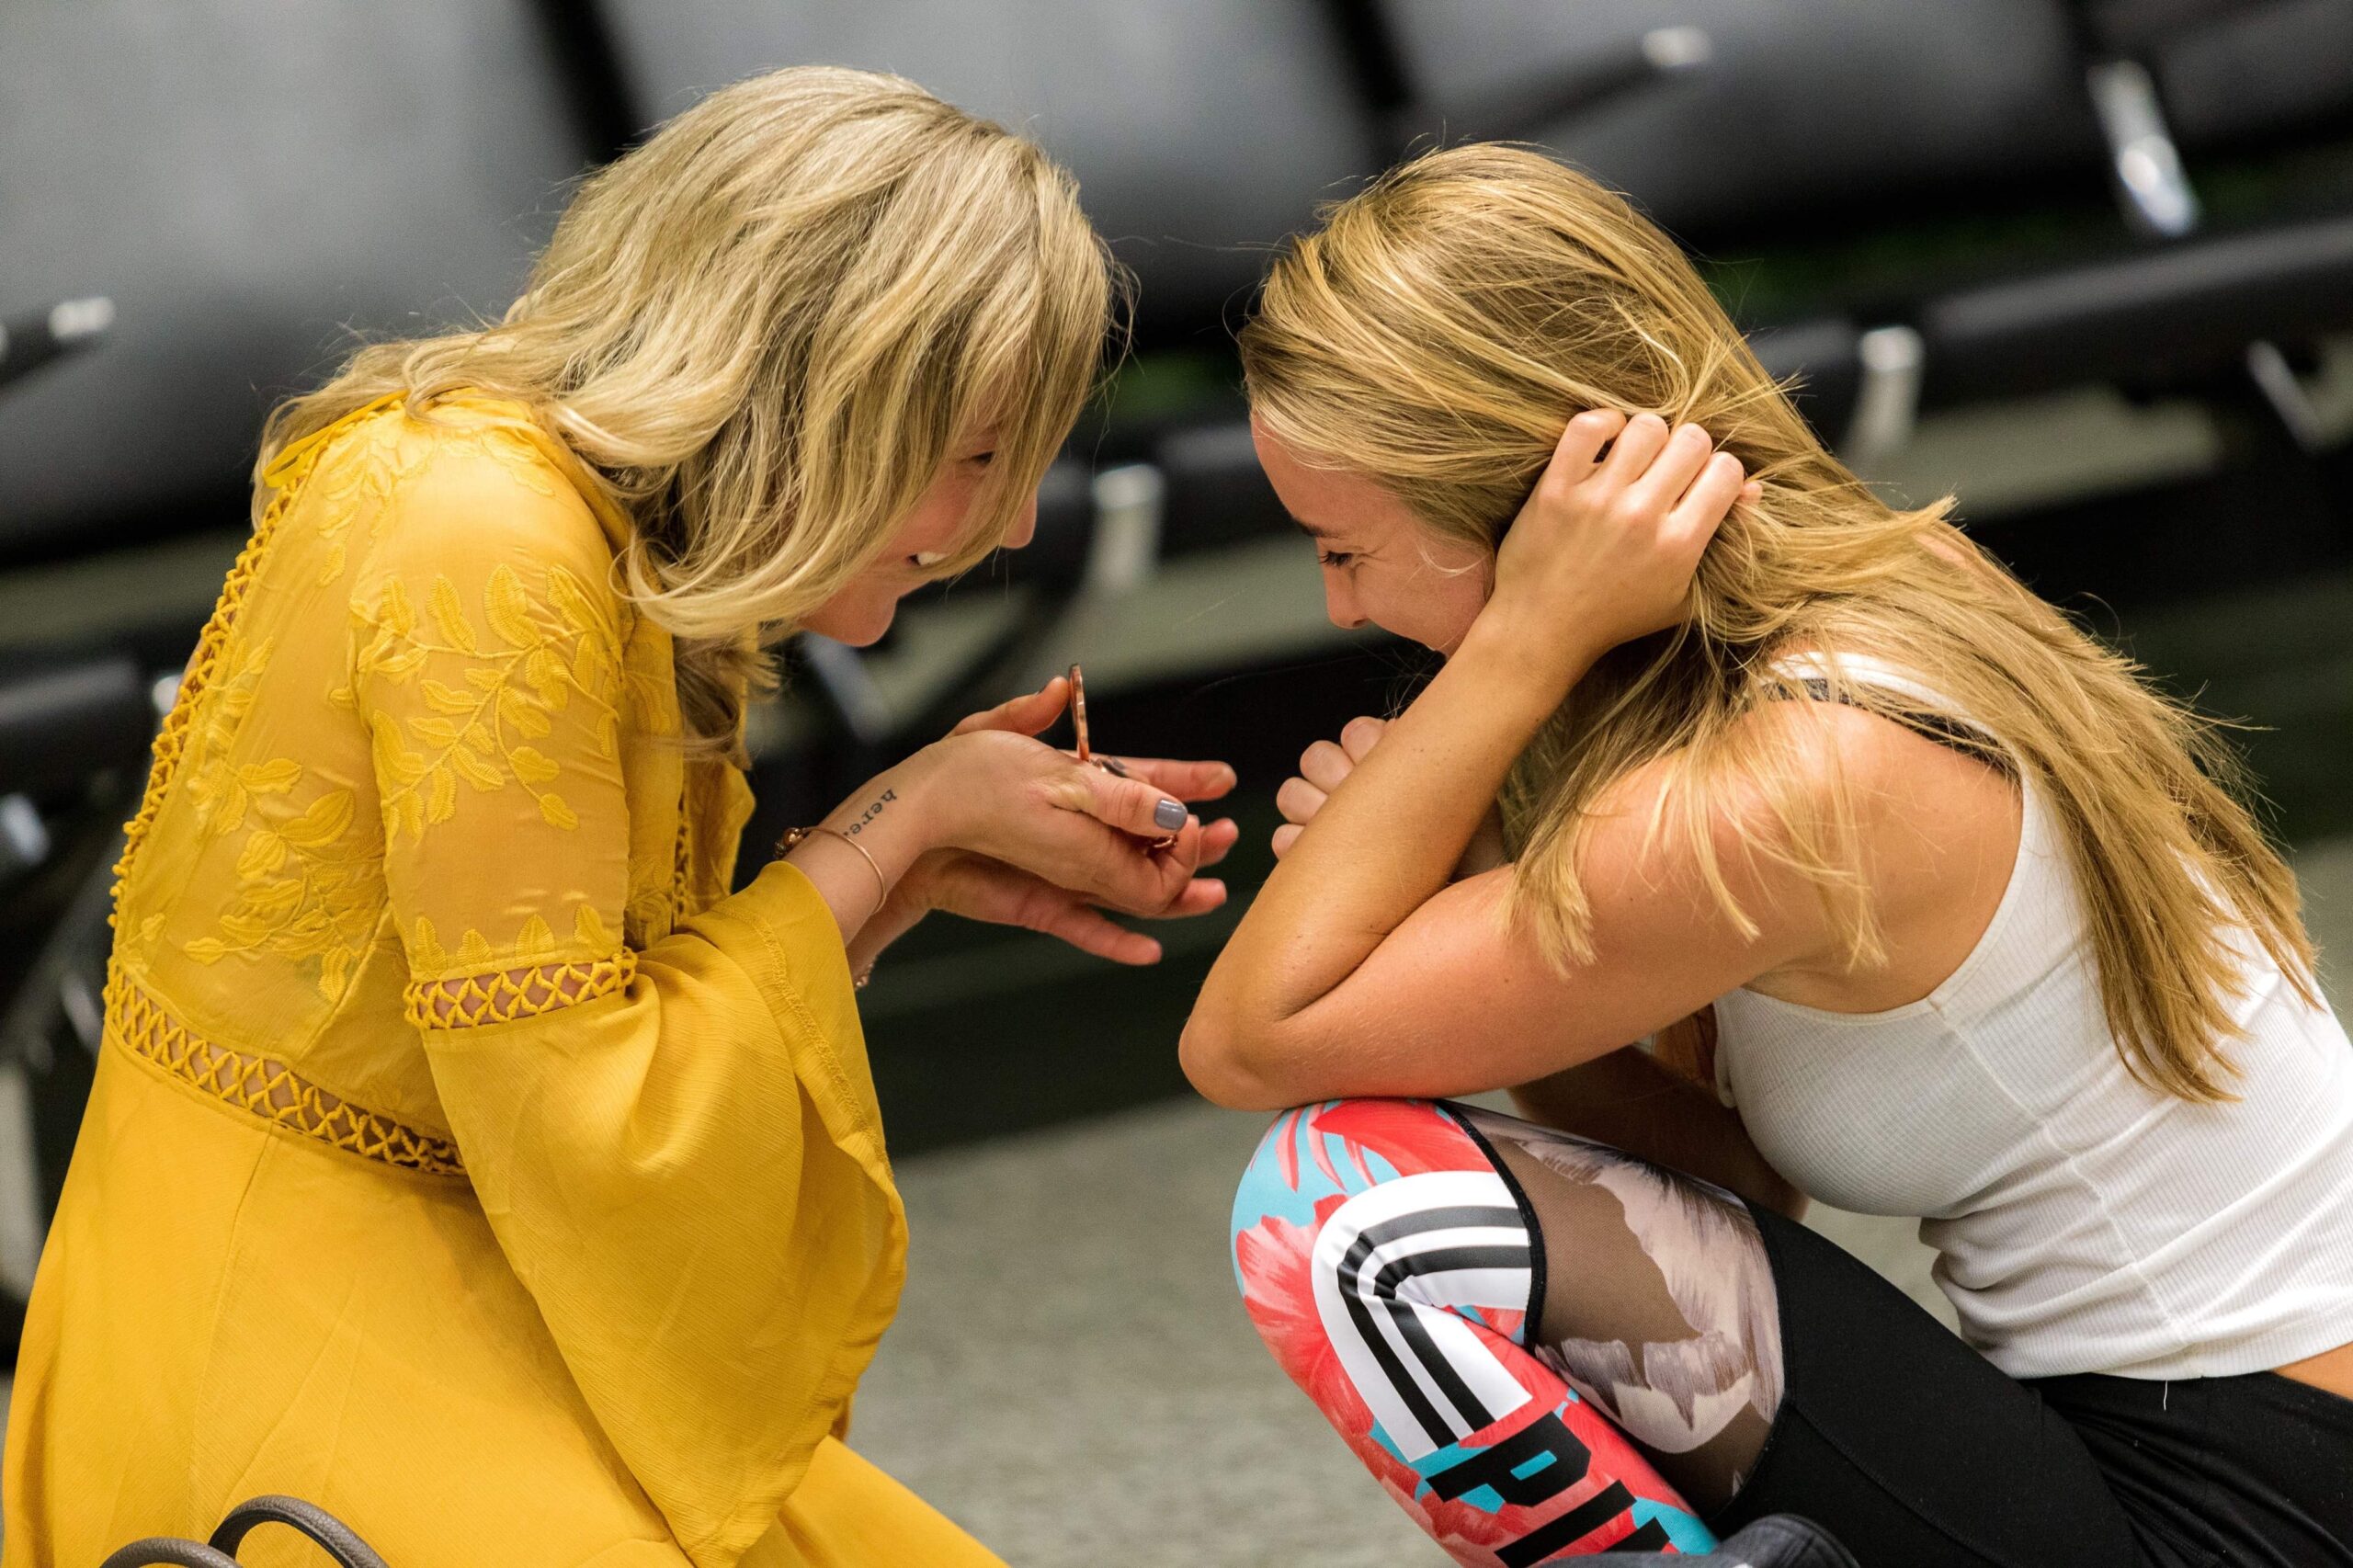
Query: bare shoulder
column 1936, row 828
column 1901, row 784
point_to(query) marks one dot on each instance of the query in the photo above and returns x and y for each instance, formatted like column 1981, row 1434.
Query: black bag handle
column 337, row 1539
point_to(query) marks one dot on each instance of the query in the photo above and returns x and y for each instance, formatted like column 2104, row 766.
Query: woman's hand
column 1125, row 842
column 1605, row 548
column 1054, row 835
column 960, row 882
column 955, row 881
column 1325, row 764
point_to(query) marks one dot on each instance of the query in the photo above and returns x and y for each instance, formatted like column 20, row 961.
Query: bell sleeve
column 679, row 1148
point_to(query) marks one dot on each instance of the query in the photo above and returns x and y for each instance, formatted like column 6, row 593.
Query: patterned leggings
column 1523, row 1335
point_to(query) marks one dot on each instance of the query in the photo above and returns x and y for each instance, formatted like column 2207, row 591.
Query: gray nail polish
column 1169, row 816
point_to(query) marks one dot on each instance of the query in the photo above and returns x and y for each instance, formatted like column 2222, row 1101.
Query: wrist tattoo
column 869, row 813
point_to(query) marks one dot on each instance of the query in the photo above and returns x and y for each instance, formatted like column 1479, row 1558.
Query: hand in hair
column 1605, row 549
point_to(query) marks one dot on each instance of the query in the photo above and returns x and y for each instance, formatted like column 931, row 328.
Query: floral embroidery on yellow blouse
column 463, row 1156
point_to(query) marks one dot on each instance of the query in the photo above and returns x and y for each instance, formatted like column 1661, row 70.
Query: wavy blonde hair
column 1437, row 335
column 765, row 331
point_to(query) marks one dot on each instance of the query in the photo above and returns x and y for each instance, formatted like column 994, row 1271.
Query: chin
column 852, row 632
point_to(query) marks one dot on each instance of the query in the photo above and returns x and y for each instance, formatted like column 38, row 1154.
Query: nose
column 1025, row 527
column 1340, row 602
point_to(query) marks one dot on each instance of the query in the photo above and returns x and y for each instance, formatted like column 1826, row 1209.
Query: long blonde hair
column 1436, row 336
column 764, row 331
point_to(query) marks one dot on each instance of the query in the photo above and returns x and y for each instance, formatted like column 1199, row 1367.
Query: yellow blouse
column 463, row 1157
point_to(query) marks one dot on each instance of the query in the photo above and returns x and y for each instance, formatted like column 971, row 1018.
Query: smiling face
column 1380, row 565
column 940, row 520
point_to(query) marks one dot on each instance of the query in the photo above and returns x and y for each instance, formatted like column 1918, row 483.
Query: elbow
column 1224, row 1071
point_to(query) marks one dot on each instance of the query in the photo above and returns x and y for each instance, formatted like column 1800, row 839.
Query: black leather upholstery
column 1805, row 103
column 1199, row 130
column 245, row 179
column 2174, row 313
column 1814, row 105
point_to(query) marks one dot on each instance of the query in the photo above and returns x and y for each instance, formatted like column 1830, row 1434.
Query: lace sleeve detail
column 487, row 662
column 501, row 997
column 265, row 1087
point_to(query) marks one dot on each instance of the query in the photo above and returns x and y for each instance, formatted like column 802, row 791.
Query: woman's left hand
column 955, row 881
column 1606, row 547
column 959, row 882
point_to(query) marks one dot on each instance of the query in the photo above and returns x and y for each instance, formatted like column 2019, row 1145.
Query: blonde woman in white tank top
column 1924, row 902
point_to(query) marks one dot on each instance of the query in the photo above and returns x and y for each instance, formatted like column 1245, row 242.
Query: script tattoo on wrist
column 869, row 813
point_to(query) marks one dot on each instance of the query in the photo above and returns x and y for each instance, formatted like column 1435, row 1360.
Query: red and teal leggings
column 1393, row 1264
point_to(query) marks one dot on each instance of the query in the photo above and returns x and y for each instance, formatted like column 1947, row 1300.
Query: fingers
column 1325, row 764
column 1186, row 780
column 1580, row 445
column 1218, row 840
column 1323, row 767
column 1299, row 800
column 1124, row 876
column 1027, row 715
column 1705, row 505
column 1091, row 931
column 1685, row 452
column 1201, row 895
column 1629, row 458
column 1132, row 805
column 1160, row 884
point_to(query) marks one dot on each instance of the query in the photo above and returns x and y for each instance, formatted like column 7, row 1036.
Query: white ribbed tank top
column 2083, row 1221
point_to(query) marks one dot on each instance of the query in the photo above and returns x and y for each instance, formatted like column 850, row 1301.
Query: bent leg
column 1659, row 1307
column 1395, row 1272
column 1735, row 1354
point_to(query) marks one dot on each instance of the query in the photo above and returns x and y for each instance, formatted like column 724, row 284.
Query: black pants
column 1918, row 1453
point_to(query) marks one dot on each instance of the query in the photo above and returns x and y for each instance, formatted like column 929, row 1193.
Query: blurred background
column 2086, row 264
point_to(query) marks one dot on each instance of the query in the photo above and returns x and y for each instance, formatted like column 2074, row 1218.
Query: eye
column 1342, row 558
column 925, row 560
column 982, row 458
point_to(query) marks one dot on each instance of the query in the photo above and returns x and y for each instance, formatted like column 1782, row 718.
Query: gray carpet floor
column 1072, row 1377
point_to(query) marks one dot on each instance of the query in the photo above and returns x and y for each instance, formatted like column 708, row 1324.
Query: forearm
column 891, row 822
column 1388, row 839
column 898, row 915
column 1632, row 1104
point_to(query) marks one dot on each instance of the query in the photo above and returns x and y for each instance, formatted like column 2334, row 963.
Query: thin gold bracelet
column 794, row 836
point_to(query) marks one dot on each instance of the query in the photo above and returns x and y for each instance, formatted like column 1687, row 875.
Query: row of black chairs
column 245, row 182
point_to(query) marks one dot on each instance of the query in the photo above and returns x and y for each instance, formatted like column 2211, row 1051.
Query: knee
column 1324, row 1178
column 1314, row 1158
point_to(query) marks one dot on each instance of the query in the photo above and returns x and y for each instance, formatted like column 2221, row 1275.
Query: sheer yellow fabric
column 462, row 1156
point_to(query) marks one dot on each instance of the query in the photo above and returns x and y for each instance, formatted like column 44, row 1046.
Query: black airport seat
column 59, row 722
column 2234, row 71
column 246, row 180
column 1818, row 106
column 1200, row 130
column 1215, row 494
column 1055, row 558
column 1822, row 362
column 1799, row 106
column 2172, row 314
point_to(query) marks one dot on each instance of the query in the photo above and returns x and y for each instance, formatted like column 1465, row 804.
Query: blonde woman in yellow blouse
column 463, row 1157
